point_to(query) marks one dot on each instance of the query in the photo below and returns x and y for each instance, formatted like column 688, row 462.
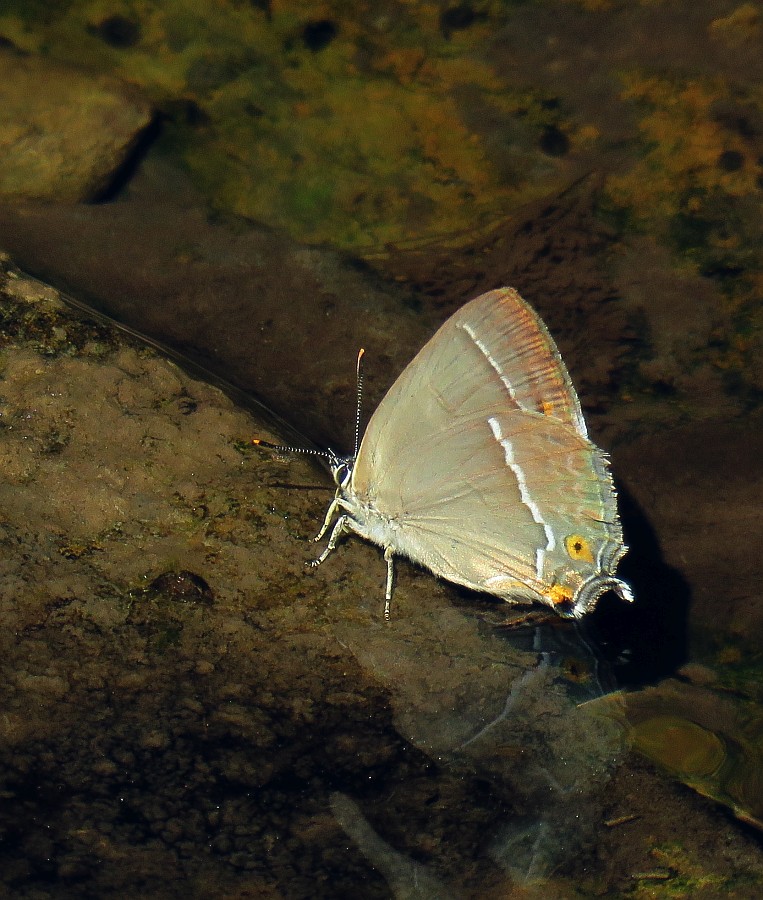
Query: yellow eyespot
column 578, row 547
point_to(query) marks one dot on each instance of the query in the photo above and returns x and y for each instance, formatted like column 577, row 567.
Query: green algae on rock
column 354, row 130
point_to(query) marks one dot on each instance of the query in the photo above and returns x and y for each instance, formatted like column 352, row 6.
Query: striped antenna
column 286, row 448
column 328, row 454
column 359, row 401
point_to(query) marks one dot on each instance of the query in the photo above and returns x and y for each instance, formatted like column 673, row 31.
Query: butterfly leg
column 330, row 512
column 343, row 523
column 389, row 555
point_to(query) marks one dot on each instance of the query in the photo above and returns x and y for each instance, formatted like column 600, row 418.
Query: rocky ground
column 188, row 710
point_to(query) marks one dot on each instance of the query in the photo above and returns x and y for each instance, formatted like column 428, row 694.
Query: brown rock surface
column 63, row 132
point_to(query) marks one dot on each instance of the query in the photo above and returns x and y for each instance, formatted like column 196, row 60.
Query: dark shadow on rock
column 647, row 640
column 127, row 169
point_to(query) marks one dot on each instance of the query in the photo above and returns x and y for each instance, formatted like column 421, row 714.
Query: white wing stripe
column 486, row 353
column 524, row 493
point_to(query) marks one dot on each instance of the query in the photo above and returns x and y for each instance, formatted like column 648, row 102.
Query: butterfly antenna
column 325, row 454
column 286, row 448
column 359, row 402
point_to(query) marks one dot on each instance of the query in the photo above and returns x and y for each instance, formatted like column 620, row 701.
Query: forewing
column 493, row 354
column 523, row 356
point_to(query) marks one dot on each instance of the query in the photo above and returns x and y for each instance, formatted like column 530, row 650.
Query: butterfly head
column 341, row 469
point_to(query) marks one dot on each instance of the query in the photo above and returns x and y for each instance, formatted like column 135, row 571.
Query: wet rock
column 228, row 297
column 63, row 133
column 187, row 744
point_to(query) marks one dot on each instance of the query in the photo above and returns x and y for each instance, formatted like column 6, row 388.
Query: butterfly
column 477, row 464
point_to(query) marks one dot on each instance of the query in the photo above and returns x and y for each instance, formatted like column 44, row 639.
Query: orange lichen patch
column 404, row 63
column 586, row 136
column 741, row 26
column 685, row 144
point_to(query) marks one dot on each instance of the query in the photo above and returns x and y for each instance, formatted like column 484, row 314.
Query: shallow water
column 273, row 737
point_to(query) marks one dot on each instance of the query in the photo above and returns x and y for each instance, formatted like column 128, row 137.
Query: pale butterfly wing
column 489, row 526
column 478, row 455
column 522, row 354
column 481, row 521
column 515, row 364
column 494, row 353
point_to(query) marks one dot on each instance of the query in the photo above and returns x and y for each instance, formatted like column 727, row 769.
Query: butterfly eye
column 341, row 473
column 578, row 548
